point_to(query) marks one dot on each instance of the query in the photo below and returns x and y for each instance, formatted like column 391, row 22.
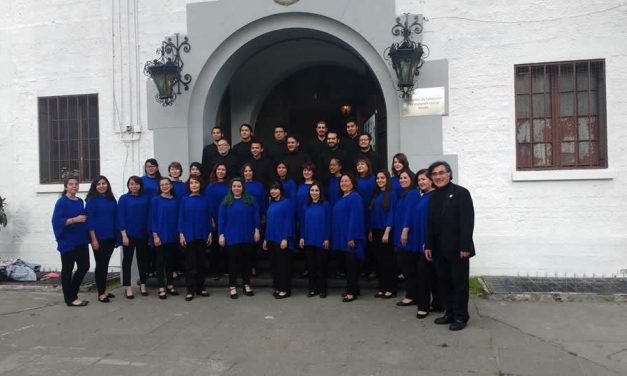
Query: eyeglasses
column 440, row 173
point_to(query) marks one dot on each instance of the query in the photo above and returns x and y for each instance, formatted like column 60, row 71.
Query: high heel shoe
column 163, row 294
column 144, row 291
column 248, row 291
column 233, row 292
column 282, row 295
column 104, row 299
column 349, row 298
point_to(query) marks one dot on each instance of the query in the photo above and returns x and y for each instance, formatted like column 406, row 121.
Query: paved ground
column 300, row 336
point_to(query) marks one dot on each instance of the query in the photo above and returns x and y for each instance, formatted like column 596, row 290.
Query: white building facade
column 533, row 121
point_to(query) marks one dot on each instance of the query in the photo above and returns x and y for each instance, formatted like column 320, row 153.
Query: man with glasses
column 225, row 156
column 449, row 244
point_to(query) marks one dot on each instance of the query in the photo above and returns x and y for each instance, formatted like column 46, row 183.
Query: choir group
column 255, row 198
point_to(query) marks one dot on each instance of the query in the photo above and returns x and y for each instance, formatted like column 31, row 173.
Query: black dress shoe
column 443, row 320
column 110, row 295
column 83, row 303
column 311, row 294
column 189, row 297
column 457, row 325
column 405, row 304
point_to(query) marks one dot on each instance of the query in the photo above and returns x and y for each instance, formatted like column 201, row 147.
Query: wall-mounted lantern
column 407, row 56
column 166, row 70
column 346, row 109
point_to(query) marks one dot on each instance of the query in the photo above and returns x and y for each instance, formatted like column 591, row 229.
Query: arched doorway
column 254, row 61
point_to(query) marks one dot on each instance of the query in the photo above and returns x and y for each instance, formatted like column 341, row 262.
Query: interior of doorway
column 318, row 93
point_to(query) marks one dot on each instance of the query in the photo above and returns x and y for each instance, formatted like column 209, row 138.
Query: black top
column 241, row 151
column 295, row 162
column 276, row 151
column 263, row 169
column 209, row 153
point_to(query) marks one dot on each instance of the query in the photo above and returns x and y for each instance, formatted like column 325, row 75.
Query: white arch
column 218, row 69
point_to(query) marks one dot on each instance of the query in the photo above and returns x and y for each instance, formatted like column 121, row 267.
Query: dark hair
column 93, row 192
column 403, row 159
column 176, row 165
column 138, row 181
column 351, row 120
column 198, row 179
column 280, row 126
column 197, row 165
column 277, row 185
column 250, row 128
column 447, row 166
column 218, row 128
column 321, row 199
column 351, row 177
column 257, row 141
column 294, row 137
column 335, row 133
column 168, row 179
column 310, row 166
column 367, row 162
column 387, row 191
column 241, row 170
column 287, row 175
column 412, row 182
column 338, row 162
column 153, row 162
column 67, row 180
column 213, row 178
column 246, row 198
column 366, row 134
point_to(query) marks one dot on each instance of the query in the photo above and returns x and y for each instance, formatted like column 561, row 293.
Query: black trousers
column 195, row 265
column 165, row 260
column 385, row 261
column 102, row 257
column 453, row 280
column 427, row 289
column 409, row 266
column 141, row 245
column 353, row 264
column 281, row 267
column 71, row 283
column 218, row 257
column 317, row 259
column 239, row 257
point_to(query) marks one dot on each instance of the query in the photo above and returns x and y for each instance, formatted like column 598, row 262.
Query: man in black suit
column 210, row 152
column 448, row 242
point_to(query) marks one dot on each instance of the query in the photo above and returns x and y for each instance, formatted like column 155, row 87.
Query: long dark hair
column 153, row 161
column 387, row 192
column 92, row 193
column 213, row 178
column 246, row 198
column 137, row 181
column 321, row 199
column 401, row 157
column 241, row 170
column 412, row 182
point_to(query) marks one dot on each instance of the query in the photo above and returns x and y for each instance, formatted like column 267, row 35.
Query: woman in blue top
column 102, row 218
column 348, row 233
column 238, row 230
column 427, row 291
column 302, row 193
column 289, row 185
column 365, row 187
column 215, row 192
column 133, row 223
column 280, row 240
column 151, row 178
column 164, row 227
column 406, row 256
column 194, row 228
column 381, row 210
column 258, row 191
column 179, row 189
column 315, row 237
column 400, row 163
column 70, row 230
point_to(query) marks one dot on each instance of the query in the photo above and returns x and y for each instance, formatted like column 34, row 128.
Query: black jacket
column 450, row 223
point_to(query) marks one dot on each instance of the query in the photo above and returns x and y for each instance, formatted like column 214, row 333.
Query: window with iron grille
column 68, row 137
column 560, row 115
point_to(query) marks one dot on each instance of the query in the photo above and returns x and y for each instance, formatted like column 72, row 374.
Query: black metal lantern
column 166, row 70
column 407, row 55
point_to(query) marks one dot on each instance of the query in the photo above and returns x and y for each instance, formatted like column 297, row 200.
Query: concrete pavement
column 303, row 336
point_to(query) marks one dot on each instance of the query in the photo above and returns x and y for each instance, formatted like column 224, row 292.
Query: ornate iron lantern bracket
column 166, row 70
column 407, row 56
